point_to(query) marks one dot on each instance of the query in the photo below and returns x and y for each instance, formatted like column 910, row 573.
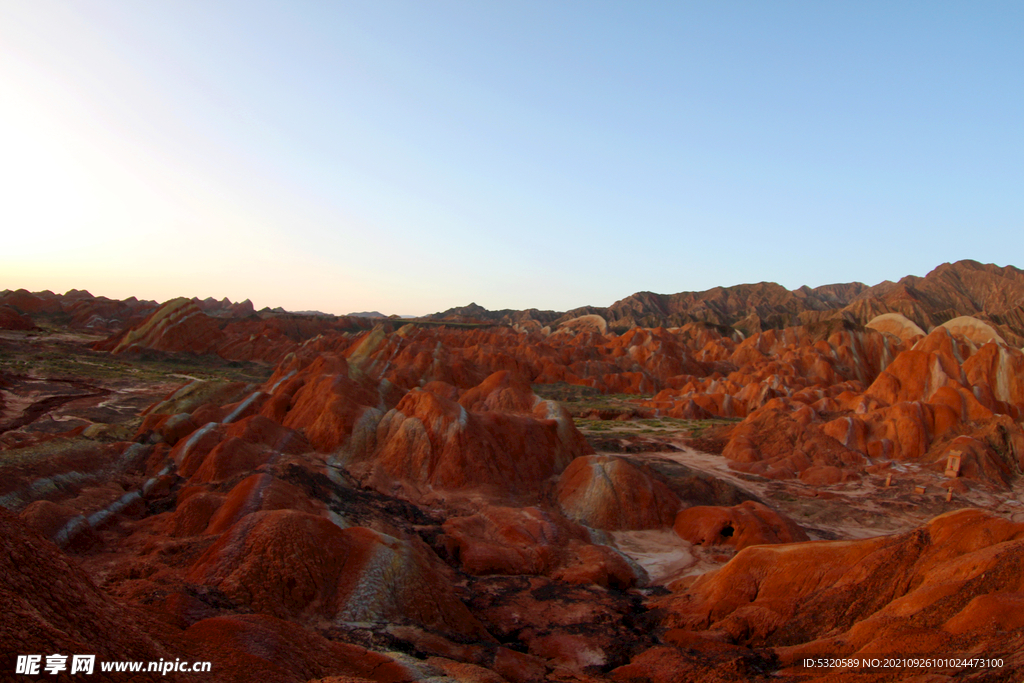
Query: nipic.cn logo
column 31, row 664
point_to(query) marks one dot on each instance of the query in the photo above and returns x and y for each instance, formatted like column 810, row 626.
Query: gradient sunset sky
column 408, row 157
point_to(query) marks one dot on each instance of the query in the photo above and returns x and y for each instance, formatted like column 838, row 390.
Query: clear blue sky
column 413, row 156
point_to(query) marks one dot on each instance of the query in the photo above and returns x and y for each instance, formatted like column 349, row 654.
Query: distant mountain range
column 993, row 294
column 988, row 292
column 377, row 314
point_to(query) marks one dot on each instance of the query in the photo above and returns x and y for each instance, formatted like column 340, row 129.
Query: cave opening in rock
column 726, row 531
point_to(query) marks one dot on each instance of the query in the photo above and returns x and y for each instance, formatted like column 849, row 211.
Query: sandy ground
column 850, row 510
column 666, row 557
column 863, row 508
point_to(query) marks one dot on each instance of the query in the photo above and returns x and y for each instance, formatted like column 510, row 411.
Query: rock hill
column 766, row 478
column 987, row 292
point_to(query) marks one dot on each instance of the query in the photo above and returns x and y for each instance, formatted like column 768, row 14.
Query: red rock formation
column 931, row 393
column 262, row 430
column 193, row 513
column 258, row 646
column 197, row 394
column 295, row 565
column 740, row 526
column 189, row 454
column 260, row 492
column 605, row 492
column 230, row 458
column 897, row 325
column 62, row 525
column 430, row 440
column 52, row 606
column 990, row 293
column 179, row 326
column 100, row 315
column 10, row 319
column 777, row 363
column 502, row 540
column 881, row 596
column 327, row 399
column 997, row 370
column 231, row 331
column 26, row 302
column 238, row 498
column 916, row 374
column 502, row 391
column 779, row 441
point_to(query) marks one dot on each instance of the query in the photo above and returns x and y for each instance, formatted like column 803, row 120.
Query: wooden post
column 888, row 480
column 949, row 494
column 953, row 464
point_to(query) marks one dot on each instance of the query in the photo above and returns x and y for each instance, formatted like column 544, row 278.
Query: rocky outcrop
column 606, row 492
column 990, row 293
column 398, row 503
column 948, row 584
column 294, row 565
column 429, row 439
column 53, row 606
column 179, row 326
column 897, row 325
column 749, row 523
column 532, row 541
column 942, row 388
column 10, row 319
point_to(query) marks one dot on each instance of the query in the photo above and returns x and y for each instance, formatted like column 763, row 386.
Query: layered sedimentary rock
column 990, row 293
column 896, row 325
column 534, row 541
column 609, row 493
column 231, row 331
column 944, row 387
column 430, row 439
column 294, row 565
column 52, row 605
column 11, row 319
column 398, row 503
column 742, row 525
column 951, row 584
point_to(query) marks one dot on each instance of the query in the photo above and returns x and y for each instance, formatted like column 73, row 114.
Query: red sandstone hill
column 991, row 293
column 228, row 330
column 235, row 529
column 398, row 504
column 10, row 319
column 77, row 310
column 951, row 584
column 81, row 311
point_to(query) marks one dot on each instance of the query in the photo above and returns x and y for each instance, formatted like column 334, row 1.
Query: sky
column 408, row 157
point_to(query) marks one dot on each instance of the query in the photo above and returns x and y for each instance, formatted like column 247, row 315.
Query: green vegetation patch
column 655, row 426
column 75, row 360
